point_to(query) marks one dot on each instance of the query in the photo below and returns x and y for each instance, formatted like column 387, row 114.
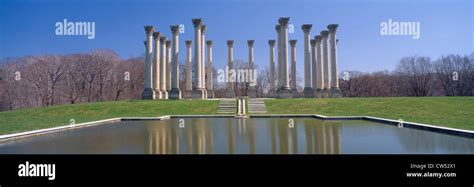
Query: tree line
column 101, row 75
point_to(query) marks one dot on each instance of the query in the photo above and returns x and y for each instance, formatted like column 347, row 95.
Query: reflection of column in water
column 150, row 141
column 335, row 136
column 328, row 136
column 294, row 135
column 175, row 138
column 251, row 135
column 201, row 137
column 319, row 132
column 210, row 138
column 230, row 136
column 188, row 137
column 283, row 136
column 273, row 134
column 308, row 136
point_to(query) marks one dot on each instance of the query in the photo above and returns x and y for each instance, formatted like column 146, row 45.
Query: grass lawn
column 39, row 118
column 456, row 112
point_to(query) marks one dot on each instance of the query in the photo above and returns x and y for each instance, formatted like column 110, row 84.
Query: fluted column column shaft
column 293, row 65
column 189, row 70
column 319, row 62
column 271, row 43
column 210, row 85
column 307, row 56
column 314, row 72
column 197, row 57
column 164, row 60
column 168, row 65
column 284, row 54
column 156, row 63
column 332, row 34
column 230, row 59
column 325, row 55
column 175, row 63
column 279, row 69
column 203, row 57
column 148, row 58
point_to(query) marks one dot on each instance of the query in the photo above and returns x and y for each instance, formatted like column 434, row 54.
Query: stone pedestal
column 325, row 93
column 308, row 92
column 198, row 94
column 284, row 93
column 148, row 93
column 319, row 93
column 335, row 93
column 175, row 93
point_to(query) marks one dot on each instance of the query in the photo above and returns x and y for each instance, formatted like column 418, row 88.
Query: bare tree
column 416, row 72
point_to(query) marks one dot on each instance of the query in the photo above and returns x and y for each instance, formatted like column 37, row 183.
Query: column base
column 188, row 94
column 210, row 94
column 175, row 93
column 205, row 93
column 335, row 92
column 284, row 92
column 158, row 94
column 319, row 93
column 308, row 92
column 198, row 93
column 148, row 93
column 164, row 95
column 325, row 93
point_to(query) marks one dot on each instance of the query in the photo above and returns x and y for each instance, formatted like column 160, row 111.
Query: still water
column 240, row 136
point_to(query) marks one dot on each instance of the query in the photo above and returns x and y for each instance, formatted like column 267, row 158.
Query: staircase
column 227, row 106
column 256, row 105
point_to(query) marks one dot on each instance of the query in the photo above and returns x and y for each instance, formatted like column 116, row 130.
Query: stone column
column 189, row 69
column 198, row 92
column 284, row 91
column 203, row 60
column 308, row 88
column 313, row 65
column 324, row 35
column 148, row 92
column 277, row 28
column 335, row 91
column 156, row 65
column 252, row 92
column 319, row 64
column 175, row 93
column 163, row 58
column 271, row 76
column 210, row 83
column 230, row 61
column 168, row 66
column 294, row 92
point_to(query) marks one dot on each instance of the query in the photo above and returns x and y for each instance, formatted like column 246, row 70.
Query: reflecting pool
column 240, row 136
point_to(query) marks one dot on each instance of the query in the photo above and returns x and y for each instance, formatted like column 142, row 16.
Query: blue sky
column 28, row 27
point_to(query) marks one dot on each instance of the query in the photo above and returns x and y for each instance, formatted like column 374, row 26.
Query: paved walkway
column 227, row 106
column 256, row 105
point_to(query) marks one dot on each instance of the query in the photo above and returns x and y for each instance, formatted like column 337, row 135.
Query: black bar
column 240, row 169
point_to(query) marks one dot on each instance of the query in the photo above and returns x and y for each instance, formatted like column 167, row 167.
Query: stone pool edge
column 432, row 128
column 439, row 129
